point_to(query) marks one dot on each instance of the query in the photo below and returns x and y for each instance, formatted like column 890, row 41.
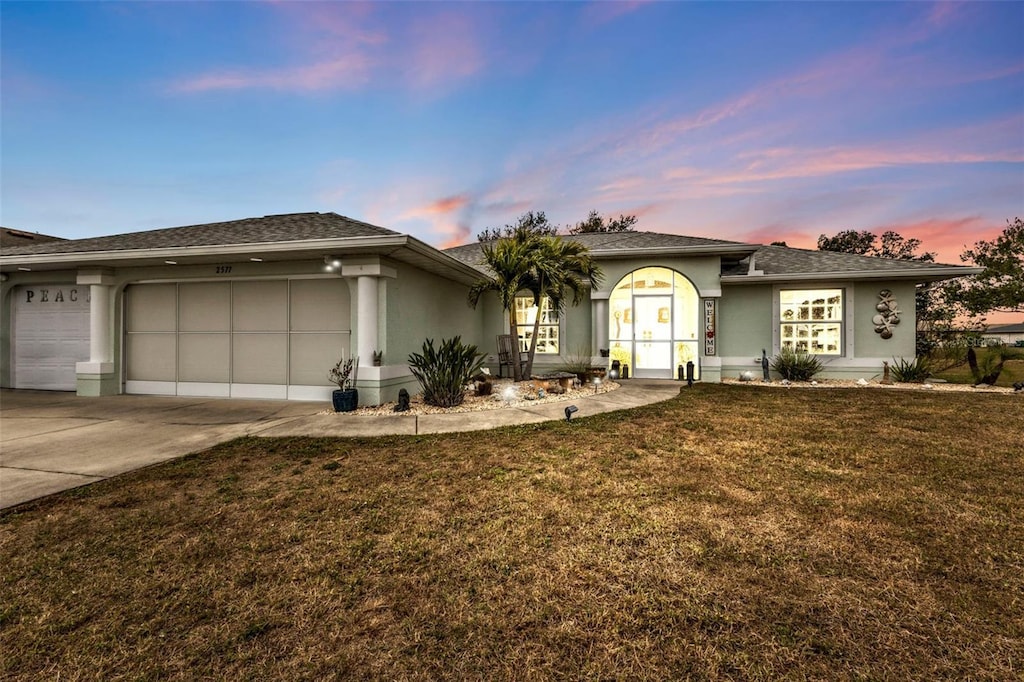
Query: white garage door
column 246, row 339
column 51, row 334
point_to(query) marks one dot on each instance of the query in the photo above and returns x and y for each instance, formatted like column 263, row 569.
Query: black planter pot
column 346, row 400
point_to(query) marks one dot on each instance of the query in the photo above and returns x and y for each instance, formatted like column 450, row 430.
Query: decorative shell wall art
column 888, row 314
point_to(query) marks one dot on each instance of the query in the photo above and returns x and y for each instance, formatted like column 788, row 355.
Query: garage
column 50, row 335
column 246, row 338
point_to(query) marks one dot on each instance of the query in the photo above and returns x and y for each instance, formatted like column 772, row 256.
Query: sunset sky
column 751, row 122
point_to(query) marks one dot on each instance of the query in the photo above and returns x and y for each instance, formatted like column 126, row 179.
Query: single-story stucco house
column 263, row 307
column 1007, row 334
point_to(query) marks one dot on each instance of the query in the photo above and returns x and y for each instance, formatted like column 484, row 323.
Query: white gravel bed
column 874, row 384
column 475, row 403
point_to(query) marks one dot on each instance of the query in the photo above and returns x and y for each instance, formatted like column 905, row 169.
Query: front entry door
column 652, row 337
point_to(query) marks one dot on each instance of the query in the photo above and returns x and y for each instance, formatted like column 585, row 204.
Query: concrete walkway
column 53, row 441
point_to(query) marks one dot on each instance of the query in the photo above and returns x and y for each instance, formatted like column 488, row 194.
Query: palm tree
column 510, row 259
column 542, row 265
column 559, row 268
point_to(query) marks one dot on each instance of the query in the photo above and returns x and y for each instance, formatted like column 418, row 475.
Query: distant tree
column 934, row 312
column 1000, row 288
column 596, row 223
column 848, row 241
column 782, row 244
column 865, row 243
column 532, row 222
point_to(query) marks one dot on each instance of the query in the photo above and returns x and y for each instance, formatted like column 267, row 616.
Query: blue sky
column 751, row 122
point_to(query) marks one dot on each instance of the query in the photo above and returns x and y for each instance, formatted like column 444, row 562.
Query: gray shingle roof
column 11, row 238
column 784, row 260
column 607, row 242
column 271, row 228
column 1017, row 328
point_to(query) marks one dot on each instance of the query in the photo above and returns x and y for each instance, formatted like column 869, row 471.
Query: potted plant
column 346, row 398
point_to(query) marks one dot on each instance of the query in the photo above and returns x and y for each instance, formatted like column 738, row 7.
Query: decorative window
column 811, row 321
column 547, row 332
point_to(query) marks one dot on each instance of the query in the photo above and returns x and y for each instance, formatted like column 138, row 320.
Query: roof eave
column 299, row 248
column 696, row 250
column 929, row 275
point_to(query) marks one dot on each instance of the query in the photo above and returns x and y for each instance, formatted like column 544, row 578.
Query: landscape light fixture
column 597, row 384
column 570, row 411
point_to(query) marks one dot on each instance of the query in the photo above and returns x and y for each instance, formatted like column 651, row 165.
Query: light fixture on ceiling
column 25, row 269
column 331, row 264
column 256, row 260
column 171, row 262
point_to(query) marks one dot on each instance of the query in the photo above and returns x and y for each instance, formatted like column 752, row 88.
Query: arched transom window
column 653, row 322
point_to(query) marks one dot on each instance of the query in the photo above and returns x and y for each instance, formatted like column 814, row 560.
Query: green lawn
column 1013, row 369
column 730, row 533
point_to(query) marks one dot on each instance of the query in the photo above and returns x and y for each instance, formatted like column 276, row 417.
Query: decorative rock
column 862, row 382
column 746, row 376
column 403, row 401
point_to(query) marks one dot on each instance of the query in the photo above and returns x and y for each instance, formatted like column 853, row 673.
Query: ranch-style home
column 263, row 307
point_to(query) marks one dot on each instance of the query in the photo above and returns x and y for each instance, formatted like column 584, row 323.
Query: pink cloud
column 600, row 12
column 343, row 73
column 339, row 46
column 444, row 49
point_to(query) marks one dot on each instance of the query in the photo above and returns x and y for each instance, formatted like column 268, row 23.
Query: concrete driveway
column 51, row 441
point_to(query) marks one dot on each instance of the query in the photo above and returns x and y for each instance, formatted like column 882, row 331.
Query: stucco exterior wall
column 748, row 322
column 421, row 306
column 744, row 327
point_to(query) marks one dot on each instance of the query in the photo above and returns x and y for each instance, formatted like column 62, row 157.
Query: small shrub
column 444, row 372
column 577, row 362
column 991, row 366
column 796, row 366
column 950, row 354
column 484, row 388
column 910, row 371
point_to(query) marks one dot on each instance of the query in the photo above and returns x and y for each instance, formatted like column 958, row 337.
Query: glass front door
column 653, row 336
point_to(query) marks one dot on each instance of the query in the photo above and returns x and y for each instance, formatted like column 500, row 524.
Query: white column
column 99, row 324
column 600, row 314
column 366, row 311
column 101, row 350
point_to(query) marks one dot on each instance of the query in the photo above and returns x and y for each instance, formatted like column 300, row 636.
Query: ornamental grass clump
column 444, row 372
column 911, row 371
column 795, row 366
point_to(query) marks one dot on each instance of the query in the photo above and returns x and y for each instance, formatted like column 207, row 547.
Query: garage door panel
column 259, row 358
column 204, row 357
column 320, row 305
column 151, row 357
column 152, row 307
column 259, row 306
column 204, row 307
column 313, row 355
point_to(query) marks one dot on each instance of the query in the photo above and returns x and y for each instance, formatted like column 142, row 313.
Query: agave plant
column 444, row 372
column 796, row 366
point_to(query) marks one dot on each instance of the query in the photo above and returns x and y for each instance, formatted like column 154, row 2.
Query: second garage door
column 51, row 334
column 255, row 339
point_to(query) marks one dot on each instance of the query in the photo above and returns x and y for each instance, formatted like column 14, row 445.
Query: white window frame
column 524, row 328
column 846, row 332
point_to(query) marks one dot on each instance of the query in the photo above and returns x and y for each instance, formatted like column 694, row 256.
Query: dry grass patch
column 731, row 533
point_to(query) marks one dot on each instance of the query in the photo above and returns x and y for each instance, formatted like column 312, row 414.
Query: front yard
column 731, row 533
